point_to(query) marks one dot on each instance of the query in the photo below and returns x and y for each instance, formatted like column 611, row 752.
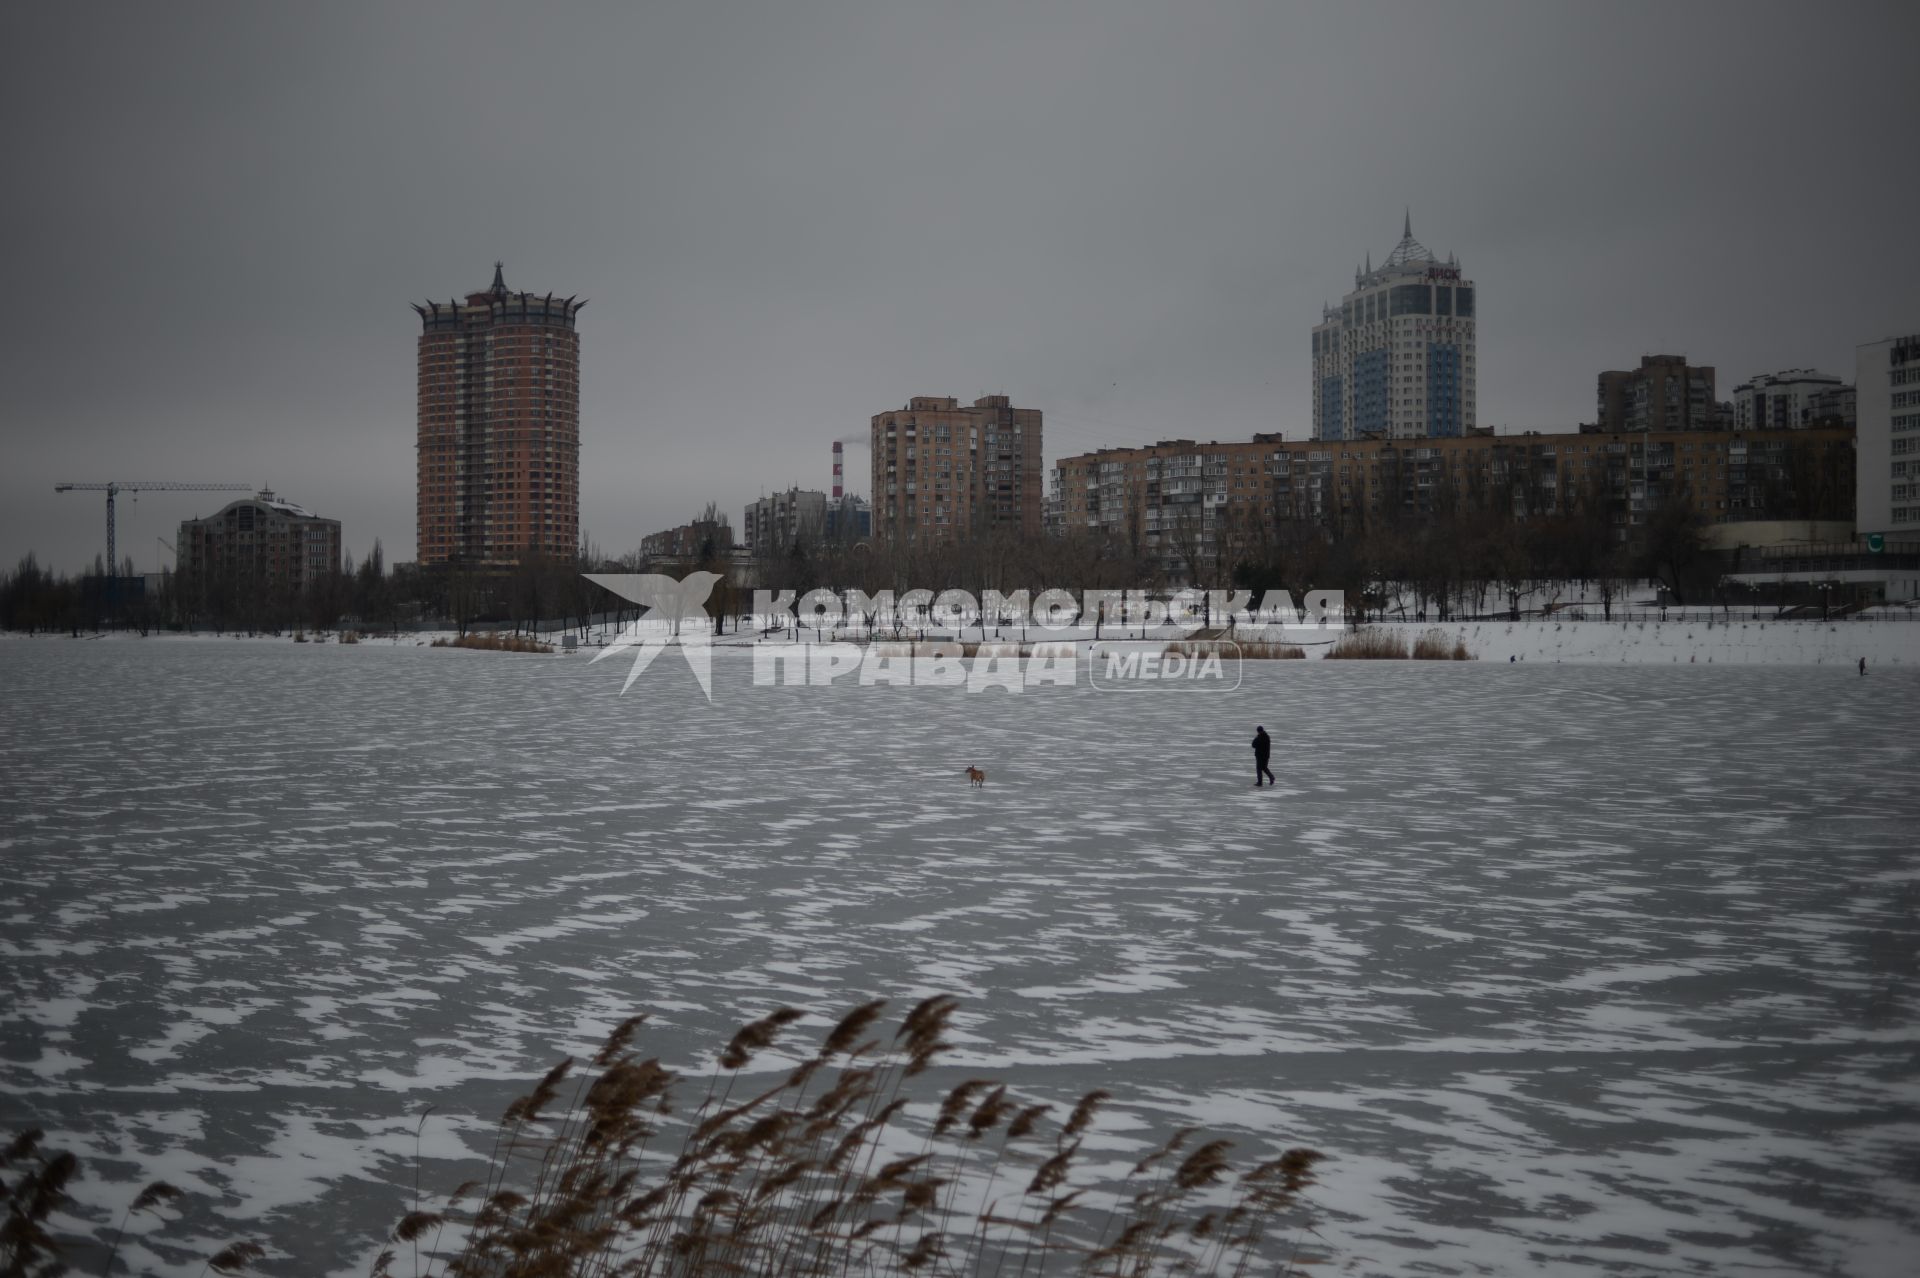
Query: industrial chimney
column 836, row 470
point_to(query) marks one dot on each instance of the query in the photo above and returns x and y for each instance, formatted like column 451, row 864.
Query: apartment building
column 700, row 539
column 498, row 430
column 771, row 525
column 1179, row 498
column 264, row 542
column 1396, row 358
column 941, row 470
column 1664, row 394
column 1887, row 378
column 1791, row 399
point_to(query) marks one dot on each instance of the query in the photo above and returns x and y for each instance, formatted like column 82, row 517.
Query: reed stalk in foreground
column 28, row 1245
column 827, row 1166
column 833, row 1166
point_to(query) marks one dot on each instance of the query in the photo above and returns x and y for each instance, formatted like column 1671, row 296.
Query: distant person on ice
column 1262, row 751
column 1863, row 667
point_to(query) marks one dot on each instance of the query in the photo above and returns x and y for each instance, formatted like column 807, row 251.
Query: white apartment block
column 1887, row 470
column 1792, row 399
column 1395, row 359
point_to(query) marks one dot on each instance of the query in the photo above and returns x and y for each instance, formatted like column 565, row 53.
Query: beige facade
column 941, row 470
column 1770, row 534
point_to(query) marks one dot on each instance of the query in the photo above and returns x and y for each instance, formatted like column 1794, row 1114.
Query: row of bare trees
column 1457, row 558
column 36, row 600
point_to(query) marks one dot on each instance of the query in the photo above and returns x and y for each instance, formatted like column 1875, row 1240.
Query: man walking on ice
column 1262, row 751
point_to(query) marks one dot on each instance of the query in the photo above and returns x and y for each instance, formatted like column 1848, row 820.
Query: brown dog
column 977, row 777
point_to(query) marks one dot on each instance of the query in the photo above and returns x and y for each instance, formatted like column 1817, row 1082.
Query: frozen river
column 1570, row 970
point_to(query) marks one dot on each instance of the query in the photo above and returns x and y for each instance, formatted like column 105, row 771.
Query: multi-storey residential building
column 1887, row 377
column 263, row 542
column 1833, row 406
column 773, row 524
column 1664, row 393
column 1789, row 400
column 499, row 427
column 1395, row 360
column 701, row 539
column 940, row 470
column 1178, row 499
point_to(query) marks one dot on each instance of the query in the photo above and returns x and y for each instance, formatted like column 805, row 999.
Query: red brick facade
column 498, row 462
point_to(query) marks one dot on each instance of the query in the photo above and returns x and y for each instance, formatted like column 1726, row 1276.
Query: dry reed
column 1369, row 645
column 831, row 1167
column 494, row 641
column 1251, row 649
column 1438, row 645
column 828, row 1167
column 28, row 1246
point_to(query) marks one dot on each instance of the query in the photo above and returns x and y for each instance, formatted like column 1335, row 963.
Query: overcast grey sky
column 792, row 214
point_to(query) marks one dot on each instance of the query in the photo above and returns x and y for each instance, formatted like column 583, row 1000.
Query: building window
column 1412, row 299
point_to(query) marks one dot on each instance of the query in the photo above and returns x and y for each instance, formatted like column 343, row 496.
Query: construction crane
column 114, row 487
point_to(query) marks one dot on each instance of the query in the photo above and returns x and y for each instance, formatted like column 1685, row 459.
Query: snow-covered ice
column 1571, row 969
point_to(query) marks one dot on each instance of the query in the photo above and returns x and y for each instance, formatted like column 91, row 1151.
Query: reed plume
column 836, row 1167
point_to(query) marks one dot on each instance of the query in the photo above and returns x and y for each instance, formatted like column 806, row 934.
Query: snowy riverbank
column 1779, row 643
column 1882, row 640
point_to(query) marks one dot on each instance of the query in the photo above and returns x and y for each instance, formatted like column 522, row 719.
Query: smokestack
column 836, row 469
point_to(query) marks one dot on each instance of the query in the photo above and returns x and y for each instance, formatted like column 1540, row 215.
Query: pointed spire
column 499, row 279
column 1409, row 250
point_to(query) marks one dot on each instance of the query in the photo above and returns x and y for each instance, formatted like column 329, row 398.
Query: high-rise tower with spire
column 1395, row 359
column 498, row 443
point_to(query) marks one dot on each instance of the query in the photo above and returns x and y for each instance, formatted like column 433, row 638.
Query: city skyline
column 1152, row 202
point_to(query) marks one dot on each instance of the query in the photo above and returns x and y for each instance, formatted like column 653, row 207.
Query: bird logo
column 673, row 603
